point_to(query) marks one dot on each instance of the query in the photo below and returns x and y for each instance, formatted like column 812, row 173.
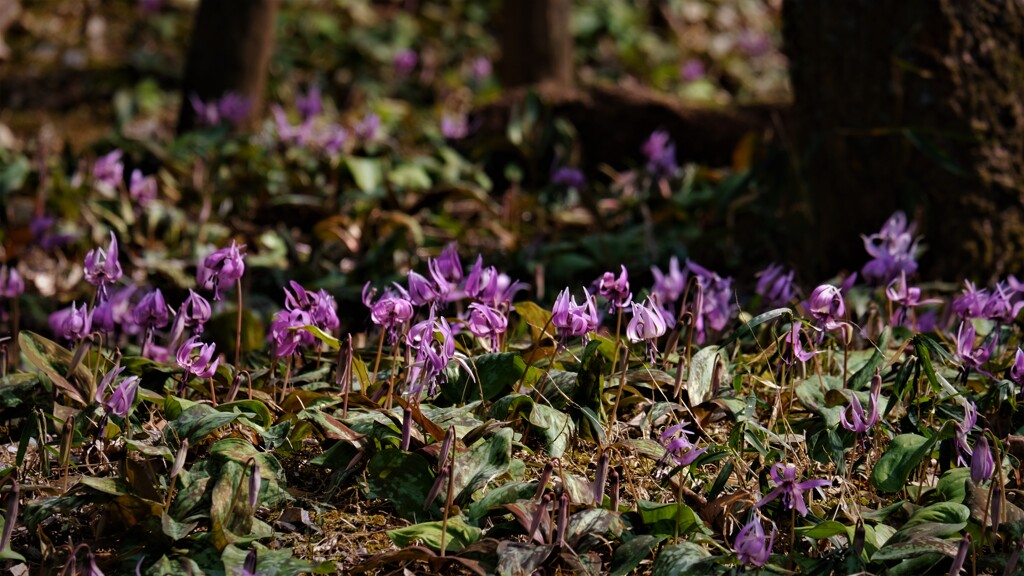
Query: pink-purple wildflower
column 221, row 269
column 789, row 490
column 753, row 547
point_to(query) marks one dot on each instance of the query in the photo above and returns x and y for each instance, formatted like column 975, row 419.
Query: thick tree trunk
column 912, row 104
column 536, row 44
column 230, row 50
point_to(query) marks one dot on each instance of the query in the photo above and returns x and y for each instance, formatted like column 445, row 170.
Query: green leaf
column 366, row 172
column 707, row 371
column 54, row 360
column 631, row 553
column 902, row 456
column 520, row 558
column 591, row 526
column 952, row 486
column 279, row 561
column 826, row 529
column 176, row 530
column 663, row 519
column 556, row 427
column 939, row 520
column 484, row 461
column 196, row 423
column 254, row 408
column 681, row 560
column 495, row 374
column 495, row 499
column 458, row 534
column 404, row 479
column 748, row 327
column 863, row 376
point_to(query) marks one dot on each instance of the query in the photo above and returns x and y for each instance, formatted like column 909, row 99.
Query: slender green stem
column 238, row 332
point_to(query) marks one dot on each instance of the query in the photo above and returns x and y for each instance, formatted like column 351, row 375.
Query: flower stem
column 238, row 333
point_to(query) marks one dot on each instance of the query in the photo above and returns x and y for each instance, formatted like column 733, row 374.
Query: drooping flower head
column 853, row 417
column 1017, row 370
column 489, row 286
column 422, row 290
column 434, row 344
column 677, row 444
column 791, row 491
column 487, row 322
column 151, row 312
column 661, row 155
column 647, row 325
column 11, row 284
column 287, row 334
column 102, row 267
column 793, row 349
column 109, row 170
column 116, row 311
column 712, row 305
column 963, row 430
column 982, row 463
column 752, row 546
column 615, row 289
column 319, row 305
column 775, row 285
column 970, row 356
column 669, row 286
column 390, row 311
column 142, row 189
column 195, row 357
column 826, row 305
column 221, row 269
column 120, row 402
column 72, row 323
column 446, row 271
column 573, row 319
column 893, row 250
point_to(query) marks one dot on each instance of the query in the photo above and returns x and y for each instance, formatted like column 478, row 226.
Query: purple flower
column 481, row 68
column 853, row 417
column 982, row 464
column 712, row 306
column 791, row 491
column 965, row 351
column 489, row 286
column 893, row 250
column 142, row 189
column 1000, row 305
column 221, row 269
column 1017, row 370
column 286, row 332
column 369, row 128
column 390, row 311
column 668, row 287
column 678, row 446
column 827, row 307
column 109, row 170
column 198, row 363
column 422, row 290
column 120, row 402
column 661, row 155
column 615, row 289
column 971, row 303
column 72, row 323
column 573, row 319
column 319, row 305
column 692, row 70
column 568, row 177
column 195, row 312
column 900, row 292
column 752, row 547
column 446, row 271
column 232, row 108
column 116, row 310
column 795, row 347
column 647, row 325
column 11, row 284
column 454, row 126
column 775, row 286
column 405, row 62
column 963, row 429
column 433, row 353
column 311, row 104
column 487, row 322
column 151, row 312
column 102, row 267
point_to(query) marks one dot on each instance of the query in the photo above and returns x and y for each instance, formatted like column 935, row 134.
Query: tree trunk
column 230, row 51
column 916, row 105
column 536, row 44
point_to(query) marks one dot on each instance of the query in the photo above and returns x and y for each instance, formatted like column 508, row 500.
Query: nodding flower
column 647, row 325
column 826, row 305
column 487, row 322
column 982, row 464
column 151, row 312
column 791, row 491
column 102, row 267
column 221, row 269
column 197, row 364
column 390, row 311
column 775, row 285
column 752, row 546
column 573, row 319
column 615, row 289
column 970, row 356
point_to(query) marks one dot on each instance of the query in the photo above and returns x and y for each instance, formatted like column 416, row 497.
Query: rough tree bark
column 536, row 45
column 912, row 104
column 230, row 50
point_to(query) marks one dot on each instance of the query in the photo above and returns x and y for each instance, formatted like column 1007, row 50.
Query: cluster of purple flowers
column 893, row 250
column 710, row 302
column 1002, row 304
column 230, row 108
column 302, row 308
